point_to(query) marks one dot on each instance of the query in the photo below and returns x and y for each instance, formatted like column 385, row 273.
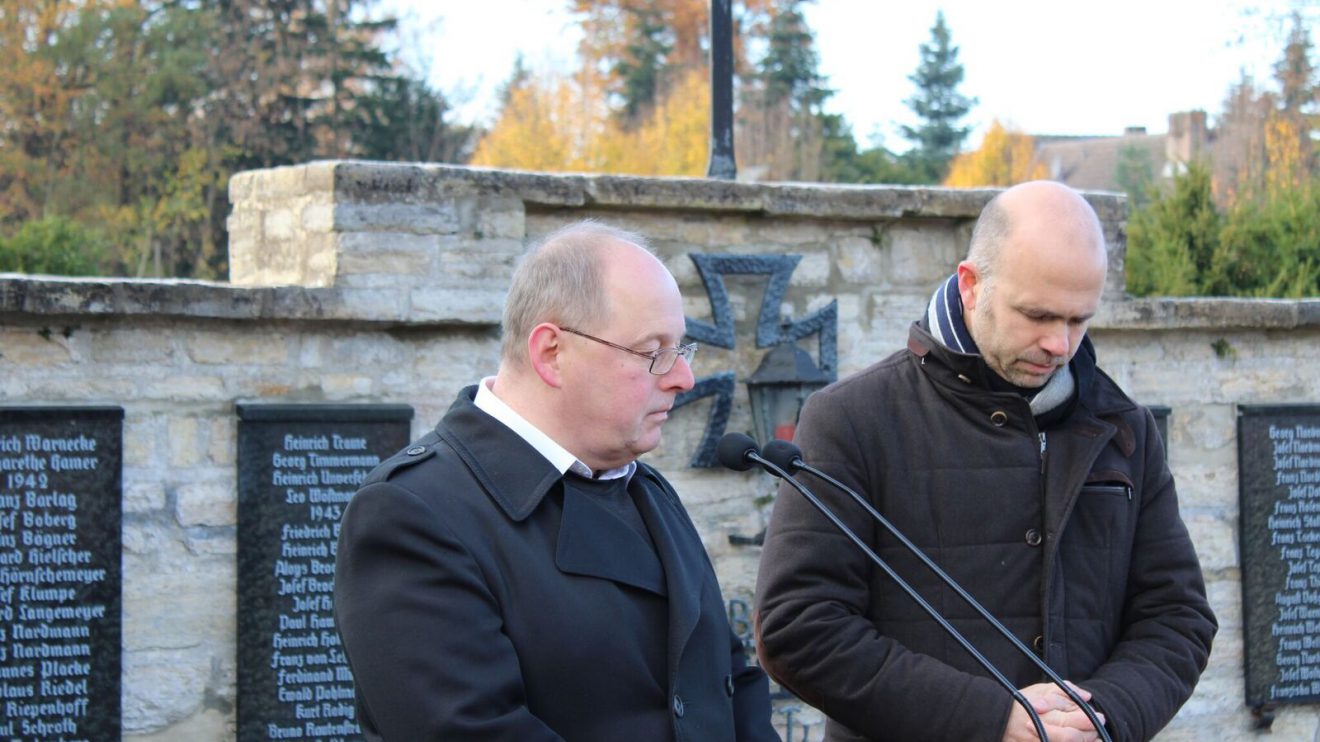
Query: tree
column 1135, row 174
column 938, row 104
column 781, row 121
column 1172, row 242
column 1004, row 158
column 55, row 246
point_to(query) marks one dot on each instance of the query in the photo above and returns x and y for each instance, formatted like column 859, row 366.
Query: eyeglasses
column 662, row 360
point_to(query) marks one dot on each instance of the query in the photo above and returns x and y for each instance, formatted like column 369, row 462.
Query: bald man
column 517, row 574
column 996, row 445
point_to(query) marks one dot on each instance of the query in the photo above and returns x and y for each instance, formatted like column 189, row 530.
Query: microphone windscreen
column 733, row 450
column 783, row 454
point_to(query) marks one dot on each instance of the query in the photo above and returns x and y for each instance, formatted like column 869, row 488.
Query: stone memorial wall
column 368, row 284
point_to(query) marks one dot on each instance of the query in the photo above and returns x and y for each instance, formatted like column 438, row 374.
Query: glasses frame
column 684, row 351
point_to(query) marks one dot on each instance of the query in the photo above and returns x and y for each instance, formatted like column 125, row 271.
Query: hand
column 1064, row 720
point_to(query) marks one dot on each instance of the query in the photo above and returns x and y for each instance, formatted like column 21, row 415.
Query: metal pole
column 722, row 164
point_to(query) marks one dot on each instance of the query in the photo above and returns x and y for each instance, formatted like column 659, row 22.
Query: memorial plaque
column 298, row 466
column 1279, row 487
column 60, row 576
column 1161, row 414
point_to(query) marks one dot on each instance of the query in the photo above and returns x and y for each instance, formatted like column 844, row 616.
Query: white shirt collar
column 559, row 457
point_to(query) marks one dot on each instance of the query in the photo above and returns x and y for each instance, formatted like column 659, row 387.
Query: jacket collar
column 967, row 372
column 512, row 472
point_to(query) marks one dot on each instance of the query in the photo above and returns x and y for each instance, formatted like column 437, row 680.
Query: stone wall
column 375, row 283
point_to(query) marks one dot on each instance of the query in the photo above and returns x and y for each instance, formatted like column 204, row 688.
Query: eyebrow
column 1038, row 313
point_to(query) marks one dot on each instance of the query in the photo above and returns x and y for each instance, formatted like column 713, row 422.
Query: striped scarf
column 944, row 319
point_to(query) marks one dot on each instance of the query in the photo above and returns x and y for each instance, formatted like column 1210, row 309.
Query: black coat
column 1073, row 541
column 480, row 599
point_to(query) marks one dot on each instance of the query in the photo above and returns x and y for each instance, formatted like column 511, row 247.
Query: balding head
column 561, row 279
column 1047, row 216
column 1032, row 280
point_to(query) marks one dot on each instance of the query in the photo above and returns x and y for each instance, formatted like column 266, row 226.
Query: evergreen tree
column 1135, row 174
column 938, row 104
column 643, row 61
column 782, row 126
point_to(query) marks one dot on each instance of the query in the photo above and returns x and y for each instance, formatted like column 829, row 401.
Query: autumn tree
column 938, row 104
column 124, row 118
column 1004, row 158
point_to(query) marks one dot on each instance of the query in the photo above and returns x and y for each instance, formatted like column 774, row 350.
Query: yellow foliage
column 1003, row 159
column 558, row 125
column 1285, row 153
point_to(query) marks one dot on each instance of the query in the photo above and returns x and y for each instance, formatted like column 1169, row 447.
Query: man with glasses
column 517, row 574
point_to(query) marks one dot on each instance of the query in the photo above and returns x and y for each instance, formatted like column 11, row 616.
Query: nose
column 1057, row 341
column 680, row 377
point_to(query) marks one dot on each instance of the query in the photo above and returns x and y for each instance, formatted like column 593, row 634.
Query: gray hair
column 560, row 279
column 992, row 229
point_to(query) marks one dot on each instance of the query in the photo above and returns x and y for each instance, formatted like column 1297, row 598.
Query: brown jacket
column 1073, row 540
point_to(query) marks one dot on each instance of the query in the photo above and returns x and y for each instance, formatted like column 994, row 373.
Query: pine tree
column 938, row 104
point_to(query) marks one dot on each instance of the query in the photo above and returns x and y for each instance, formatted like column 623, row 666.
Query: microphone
column 734, row 451
column 788, row 456
column 738, row 451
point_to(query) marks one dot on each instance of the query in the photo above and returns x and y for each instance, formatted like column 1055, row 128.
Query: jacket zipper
column 1042, row 457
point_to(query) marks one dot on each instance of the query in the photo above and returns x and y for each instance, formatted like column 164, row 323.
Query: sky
column 1057, row 67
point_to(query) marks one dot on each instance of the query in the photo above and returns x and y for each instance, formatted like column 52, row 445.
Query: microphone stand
column 783, row 451
column 750, row 454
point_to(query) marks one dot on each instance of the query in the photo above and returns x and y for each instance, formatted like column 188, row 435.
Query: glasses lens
column 663, row 360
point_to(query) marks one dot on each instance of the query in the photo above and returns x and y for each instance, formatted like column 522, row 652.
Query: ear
column 544, row 344
column 969, row 284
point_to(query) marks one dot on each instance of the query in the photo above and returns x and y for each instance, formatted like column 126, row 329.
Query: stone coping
column 48, row 296
column 365, row 182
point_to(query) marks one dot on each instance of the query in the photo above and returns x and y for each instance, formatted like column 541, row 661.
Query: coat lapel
column 679, row 549
column 595, row 543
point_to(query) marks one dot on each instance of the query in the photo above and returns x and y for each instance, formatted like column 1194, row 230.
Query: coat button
column 1038, row 644
column 1033, row 537
column 998, row 418
column 416, row 451
column 728, row 685
column 678, row 706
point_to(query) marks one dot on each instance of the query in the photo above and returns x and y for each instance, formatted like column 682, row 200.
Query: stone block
column 340, row 386
column 281, row 224
column 206, row 504
column 420, row 218
column 237, row 348
column 174, row 599
column 80, row 389
column 318, row 217
column 132, row 346
column 918, row 255
column 472, row 306
column 813, row 271
column 371, row 304
column 185, row 446
column 34, row 346
column 162, row 687
column 1216, row 541
column 858, row 261
column 500, row 216
column 399, row 266
column 222, row 441
column 144, row 497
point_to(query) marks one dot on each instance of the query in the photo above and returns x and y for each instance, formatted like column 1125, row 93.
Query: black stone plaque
column 1279, row 486
column 60, row 575
column 298, row 465
column 1161, row 414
